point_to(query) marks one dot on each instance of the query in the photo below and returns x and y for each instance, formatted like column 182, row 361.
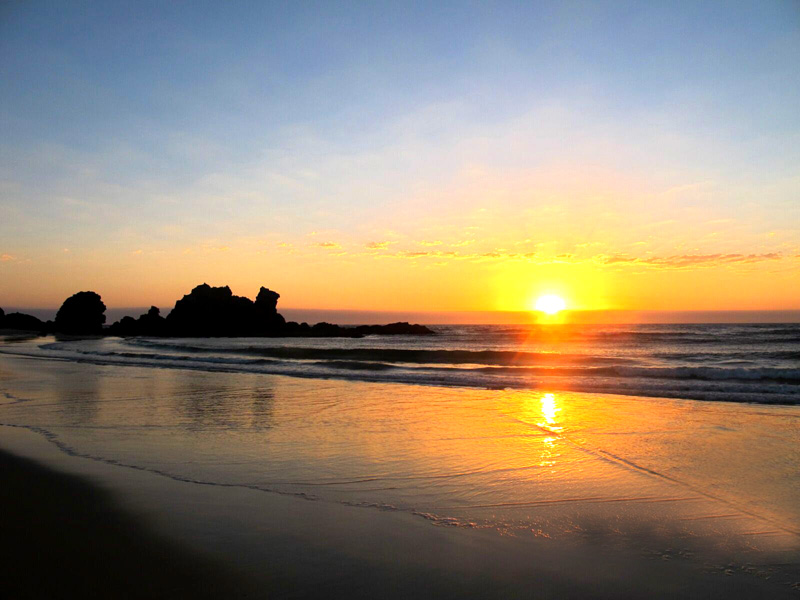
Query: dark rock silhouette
column 22, row 322
column 81, row 314
column 214, row 311
column 204, row 312
column 266, row 310
column 400, row 328
column 209, row 311
column 125, row 327
column 150, row 323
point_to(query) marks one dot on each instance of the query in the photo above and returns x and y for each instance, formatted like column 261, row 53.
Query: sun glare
column 550, row 304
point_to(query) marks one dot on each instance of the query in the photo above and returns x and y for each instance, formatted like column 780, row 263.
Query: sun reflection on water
column 550, row 409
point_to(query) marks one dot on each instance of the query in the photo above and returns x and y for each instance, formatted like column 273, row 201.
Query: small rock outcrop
column 81, row 314
column 21, row 322
column 400, row 328
column 150, row 324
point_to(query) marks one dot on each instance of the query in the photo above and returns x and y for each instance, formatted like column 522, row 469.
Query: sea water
column 751, row 363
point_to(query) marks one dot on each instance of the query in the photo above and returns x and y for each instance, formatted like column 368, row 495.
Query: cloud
column 7, row 257
column 327, row 245
column 379, row 245
column 498, row 254
column 684, row 261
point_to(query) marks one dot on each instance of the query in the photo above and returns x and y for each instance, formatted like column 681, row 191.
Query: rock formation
column 214, row 311
column 81, row 314
column 21, row 322
column 266, row 311
column 209, row 311
column 150, row 324
column 400, row 328
column 204, row 312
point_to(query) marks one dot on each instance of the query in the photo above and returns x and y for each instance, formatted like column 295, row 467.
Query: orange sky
column 398, row 163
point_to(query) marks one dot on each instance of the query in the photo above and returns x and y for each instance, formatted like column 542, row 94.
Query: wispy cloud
column 685, row 261
column 378, row 245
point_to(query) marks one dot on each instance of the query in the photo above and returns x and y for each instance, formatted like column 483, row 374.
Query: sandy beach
column 167, row 510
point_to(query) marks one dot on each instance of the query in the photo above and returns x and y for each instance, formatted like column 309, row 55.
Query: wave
column 395, row 355
column 466, row 373
column 175, row 357
column 749, row 356
column 682, row 373
column 355, row 365
column 694, row 335
column 459, row 361
column 711, row 373
column 487, row 357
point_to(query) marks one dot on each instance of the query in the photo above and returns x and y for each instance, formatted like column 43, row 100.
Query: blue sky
column 166, row 127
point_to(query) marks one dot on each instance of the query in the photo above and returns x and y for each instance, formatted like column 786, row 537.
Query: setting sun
column 550, row 304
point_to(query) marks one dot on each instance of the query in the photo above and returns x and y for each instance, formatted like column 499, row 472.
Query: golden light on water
column 550, row 304
column 549, row 412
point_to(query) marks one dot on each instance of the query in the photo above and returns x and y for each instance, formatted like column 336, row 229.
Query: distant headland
column 204, row 312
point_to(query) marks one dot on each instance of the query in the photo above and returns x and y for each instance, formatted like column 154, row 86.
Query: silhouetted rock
column 330, row 330
column 81, row 314
column 150, row 324
column 212, row 312
column 400, row 328
column 293, row 329
column 125, row 327
column 267, row 301
column 215, row 312
column 266, row 311
column 22, row 322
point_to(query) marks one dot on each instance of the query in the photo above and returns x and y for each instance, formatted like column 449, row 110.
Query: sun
column 550, row 304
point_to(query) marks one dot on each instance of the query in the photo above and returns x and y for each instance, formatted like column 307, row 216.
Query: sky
column 403, row 156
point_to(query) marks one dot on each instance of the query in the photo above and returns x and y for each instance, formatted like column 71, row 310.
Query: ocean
column 736, row 362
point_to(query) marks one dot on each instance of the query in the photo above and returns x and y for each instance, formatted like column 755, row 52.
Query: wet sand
column 83, row 523
column 64, row 537
column 134, row 534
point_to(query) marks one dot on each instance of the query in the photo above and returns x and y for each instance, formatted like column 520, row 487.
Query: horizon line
column 491, row 317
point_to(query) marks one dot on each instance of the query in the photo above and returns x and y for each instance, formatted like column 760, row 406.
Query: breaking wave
column 731, row 363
